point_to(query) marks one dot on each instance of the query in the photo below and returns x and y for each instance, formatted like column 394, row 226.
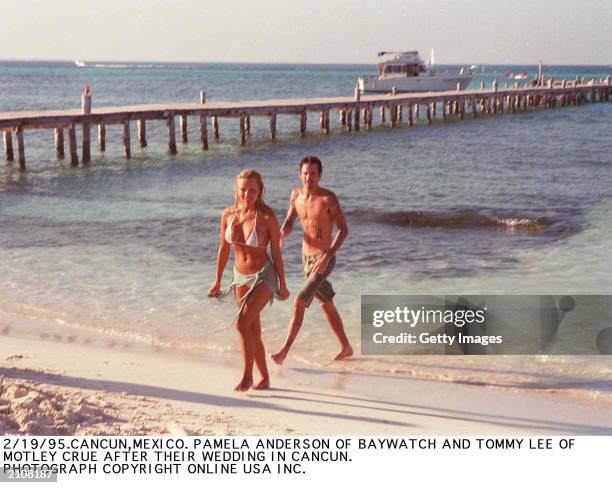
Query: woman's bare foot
column 264, row 384
column 244, row 384
column 345, row 352
column 279, row 357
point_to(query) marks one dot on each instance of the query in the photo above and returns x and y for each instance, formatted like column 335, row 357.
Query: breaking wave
column 466, row 219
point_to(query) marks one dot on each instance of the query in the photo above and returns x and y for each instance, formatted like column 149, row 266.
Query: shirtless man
column 318, row 210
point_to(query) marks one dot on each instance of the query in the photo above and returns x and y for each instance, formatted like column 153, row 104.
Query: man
column 318, row 210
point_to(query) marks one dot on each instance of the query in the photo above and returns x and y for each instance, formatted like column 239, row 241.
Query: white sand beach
column 55, row 385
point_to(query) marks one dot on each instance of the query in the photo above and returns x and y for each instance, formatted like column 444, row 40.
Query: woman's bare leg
column 246, row 326
column 260, row 357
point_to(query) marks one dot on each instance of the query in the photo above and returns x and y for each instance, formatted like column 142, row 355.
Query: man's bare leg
column 297, row 317
column 335, row 322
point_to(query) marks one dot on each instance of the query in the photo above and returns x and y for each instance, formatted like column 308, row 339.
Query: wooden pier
column 354, row 113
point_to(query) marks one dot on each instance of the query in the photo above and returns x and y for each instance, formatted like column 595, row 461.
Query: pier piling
column 8, row 146
column 59, row 142
column 72, row 145
column 303, row 121
column 393, row 115
column 183, row 125
column 86, row 125
column 142, row 132
column 171, row 135
column 273, row 126
column 215, row 126
column 242, row 130
column 203, row 133
column 102, row 137
column 126, row 140
column 20, row 149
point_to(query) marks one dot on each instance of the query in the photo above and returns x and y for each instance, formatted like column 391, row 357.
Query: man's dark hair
column 312, row 160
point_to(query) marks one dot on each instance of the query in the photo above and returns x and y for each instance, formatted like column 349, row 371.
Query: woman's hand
column 283, row 292
column 215, row 290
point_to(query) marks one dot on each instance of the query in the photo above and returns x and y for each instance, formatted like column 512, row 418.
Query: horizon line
column 59, row 60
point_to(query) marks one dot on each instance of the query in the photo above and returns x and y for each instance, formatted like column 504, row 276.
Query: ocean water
column 512, row 204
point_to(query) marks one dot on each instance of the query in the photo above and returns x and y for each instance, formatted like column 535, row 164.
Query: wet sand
column 65, row 385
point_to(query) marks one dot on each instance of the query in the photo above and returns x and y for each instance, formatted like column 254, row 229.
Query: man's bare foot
column 244, row 384
column 345, row 352
column 264, row 384
column 279, row 357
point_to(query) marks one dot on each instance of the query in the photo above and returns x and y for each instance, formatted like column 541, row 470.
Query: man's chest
column 309, row 210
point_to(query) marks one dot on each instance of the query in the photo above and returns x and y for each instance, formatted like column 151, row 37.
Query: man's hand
column 284, row 232
column 321, row 265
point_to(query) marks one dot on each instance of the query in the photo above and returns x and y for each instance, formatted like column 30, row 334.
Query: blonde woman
column 249, row 227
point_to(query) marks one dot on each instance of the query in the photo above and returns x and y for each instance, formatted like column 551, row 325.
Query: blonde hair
column 249, row 174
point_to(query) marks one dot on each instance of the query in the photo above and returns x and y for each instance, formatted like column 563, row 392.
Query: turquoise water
column 508, row 204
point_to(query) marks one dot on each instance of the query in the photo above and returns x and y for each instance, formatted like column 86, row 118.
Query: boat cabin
column 400, row 64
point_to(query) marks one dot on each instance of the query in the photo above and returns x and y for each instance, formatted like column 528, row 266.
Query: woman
column 250, row 225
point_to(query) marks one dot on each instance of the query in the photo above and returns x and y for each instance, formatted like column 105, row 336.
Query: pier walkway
column 355, row 113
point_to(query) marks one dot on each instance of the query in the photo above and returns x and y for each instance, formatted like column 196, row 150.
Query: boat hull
column 414, row 84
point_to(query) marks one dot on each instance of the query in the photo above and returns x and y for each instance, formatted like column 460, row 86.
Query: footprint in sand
column 15, row 356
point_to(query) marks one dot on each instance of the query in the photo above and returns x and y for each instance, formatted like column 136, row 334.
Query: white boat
column 79, row 63
column 405, row 71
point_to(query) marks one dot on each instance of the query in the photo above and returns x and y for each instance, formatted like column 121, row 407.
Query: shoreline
column 543, row 374
column 53, row 387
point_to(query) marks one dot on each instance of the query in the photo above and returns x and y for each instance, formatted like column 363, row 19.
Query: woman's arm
column 277, row 258
column 222, row 257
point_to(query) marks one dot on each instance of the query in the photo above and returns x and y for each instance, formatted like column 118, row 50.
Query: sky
column 307, row 31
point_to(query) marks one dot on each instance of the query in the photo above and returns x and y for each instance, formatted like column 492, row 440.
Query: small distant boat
column 80, row 64
column 406, row 72
column 521, row 76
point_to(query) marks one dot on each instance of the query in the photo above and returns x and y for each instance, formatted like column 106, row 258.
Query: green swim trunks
column 316, row 285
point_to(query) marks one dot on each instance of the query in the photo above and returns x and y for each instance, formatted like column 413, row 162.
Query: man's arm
column 291, row 215
column 337, row 218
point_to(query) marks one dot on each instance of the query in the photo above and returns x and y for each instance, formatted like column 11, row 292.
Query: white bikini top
column 251, row 241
